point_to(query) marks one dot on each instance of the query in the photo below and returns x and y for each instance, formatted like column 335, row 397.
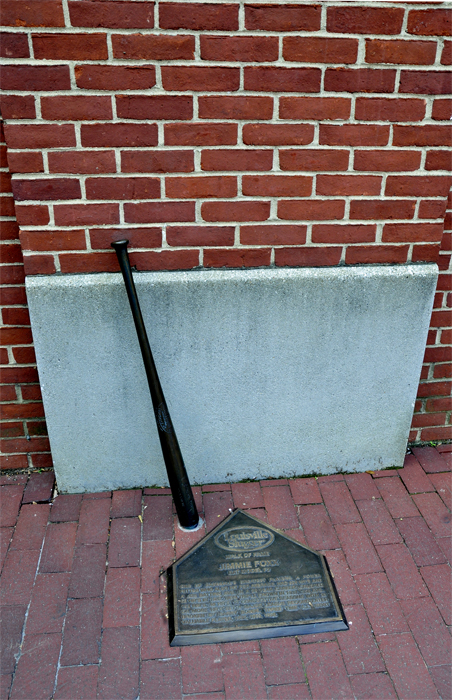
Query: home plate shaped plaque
column 246, row 580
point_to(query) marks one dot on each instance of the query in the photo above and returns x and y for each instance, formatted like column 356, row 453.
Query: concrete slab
column 267, row 373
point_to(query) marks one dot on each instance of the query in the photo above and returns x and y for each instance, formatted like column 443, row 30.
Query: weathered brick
column 339, row 503
column 58, row 549
column 75, row 47
column 5, row 538
column 14, row 45
column 82, row 632
column 343, row 580
column 400, row 51
column 235, row 107
column 280, row 507
column 431, row 460
column 430, row 22
column 291, row 691
column 375, row 685
column 315, row 210
column 413, row 476
column 217, row 506
column 401, row 571
column 122, row 598
column 325, row 669
column 317, row 527
column 247, row 495
column 406, row 668
column 361, row 487
column 385, row 614
column 11, row 497
column 442, row 679
column 359, row 80
column 37, row 667
column 429, row 630
column 201, row 669
column 156, row 161
column 272, row 79
column 369, row 209
column 321, row 108
column 358, row 548
column 104, row 77
column 33, row 78
column 117, row 14
column 243, row 676
column 444, row 488
column 277, row 134
column 154, row 629
column 161, row 679
column 237, row 159
column 354, row 135
column 282, row 662
column 94, row 521
column 153, row 47
column 244, row 210
column 438, row 580
column 12, row 622
column 157, row 518
column 88, row 571
column 305, row 491
column 31, row 527
column 118, row 673
column 78, row 681
column 126, row 504
column 428, row 135
column 378, row 522
column 158, row 555
column 154, row 107
column 200, row 78
column 39, row 487
column 396, row 498
column 200, row 187
column 125, row 542
column 239, row 48
column 282, row 18
column 199, row 16
column 358, row 646
column 18, row 107
column 119, row 134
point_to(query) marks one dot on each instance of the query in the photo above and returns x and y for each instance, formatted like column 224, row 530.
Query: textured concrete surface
column 267, row 373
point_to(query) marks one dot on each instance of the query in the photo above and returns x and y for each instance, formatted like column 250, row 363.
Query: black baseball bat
column 177, row 474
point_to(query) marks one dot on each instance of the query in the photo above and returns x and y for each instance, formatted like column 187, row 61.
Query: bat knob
column 120, row 245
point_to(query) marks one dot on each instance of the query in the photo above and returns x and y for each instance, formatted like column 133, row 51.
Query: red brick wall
column 233, row 134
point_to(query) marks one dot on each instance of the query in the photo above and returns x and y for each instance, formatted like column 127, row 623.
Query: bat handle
column 177, row 474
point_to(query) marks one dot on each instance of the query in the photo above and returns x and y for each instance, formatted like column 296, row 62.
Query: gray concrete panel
column 267, row 373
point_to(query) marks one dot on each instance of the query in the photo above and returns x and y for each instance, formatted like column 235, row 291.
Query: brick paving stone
column 122, row 598
column 401, row 571
column 18, row 575
column 244, row 677
column 94, row 521
column 280, row 507
column 339, row 502
column 37, row 667
column 240, row 647
column 31, row 527
column 442, row 678
column 397, row 498
column 202, row 669
column 445, row 544
column 317, row 527
column 258, row 513
column 208, row 488
column 205, row 696
column 297, row 535
column 125, row 542
column 158, row 518
column 406, row 667
column 378, row 522
column 217, row 506
column 66, row 508
column 274, row 482
column 158, row 555
column 5, row 685
column 443, row 485
column 358, row 549
column 429, row 631
column 305, row 491
column 431, row 460
column 58, row 550
column 11, row 479
column 420, row 541
column 11, row 497
column 88, row 571
column 161, row 679
column 39, row 487
column 48, row 604
column 373, row 686
column 438, row 580
column 330, row 477
column 197, row 494
column 12, row 618
column 434, row 513
column 159, row 491
column 414, row 477
column 343, row 579
column 82, row 632
column 282, row 661
column 361, row 486
column 327, row 675
column 79, row 683
column 154, row 629
column 384, row 473
column 186, row 539
column 313, row 638
column 126, row 504
column 382, row 608
column 359, row 651
column 295, row 691
column 119, row 670
column 96, row 496
column 247, row 495
column 5, row 538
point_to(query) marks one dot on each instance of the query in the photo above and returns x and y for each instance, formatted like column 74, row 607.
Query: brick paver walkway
column 84, row 604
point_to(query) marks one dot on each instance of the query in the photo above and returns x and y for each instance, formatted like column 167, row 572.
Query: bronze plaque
column 246, row 580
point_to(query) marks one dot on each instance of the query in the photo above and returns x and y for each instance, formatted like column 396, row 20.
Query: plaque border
column 266, row 631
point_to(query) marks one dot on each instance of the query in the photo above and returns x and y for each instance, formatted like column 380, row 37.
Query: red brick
column 5, row 537
column 200, row 187
column 292, row 691
column 239, row 48
column 154, row 107
column 88, row 571
column 80, row 107
column 35, row 78
column 139, row 238
column 235, row 107
column 237, row 159
column 437, row 160
column 276, row 185
column 14, row 45
column 431, row 22
column 354, row 135
column 400, row 51
column 79, row 681
column 305, row 491
column 200, row 235
column 126, row 504
column 31, row 527
column 25, row 162
column 272, row 79
column 13, row 618
column 389, row 109
column 359, row 80
column 279, row 234
column 200, row 78
column 406, row 185
column 358, row 647
column 420, row 541
column 282, row 18
column 315, row 257
column 387, row 160
column 320, row 50
column 311, row 210
column 282, row 662
column 437, row 579
column 247, row 495
column 18, row 107
column 48, row 603
column 339, row 503
column 37, row 667
column 432, row 209
column 280, row 508
column 401, row 571
column 122, row 188
column 413, row 476
column 217, row 506
column 343, row 580
column 442, row 109
column 89, row 262
column 358, row 549
column 27, row 410
column 429, row 631
column 200, row 134
column 430, row 459
column 157, row 518
column 166, row 260
column 365, row 20
column 85, row 214
column 317, row 527
column 235, row 211
column 153, row 47
column 158, row 555
column 325, row 669
column 379, row 523
column 384, row 611
column 45, row 13
column 82, row 162
column 154, row 630
column 18, row 576
column 369, row 209
column 56, row 188
column 314, row 160
column 442, row 679
column 54, row 240
column 396, row 498
column 201, row 669
column 104, row 77
column 75, row 47
column 118, row 673
column 65, row 508
column 318, row 108
column 278, row 134
column 161, row 679
column 16, row 317
column 243, row 676
column 156, row 161
column 58, row 548
column 116, row 135
column 443, row 486
column 125, row 542
column 94, row 521
column 13, row 336
column 348, row 185
column 122, row 597
column 40, row 135
column 117, row 14
column 373, row 685
column 429, row 135
column 198, row 16
column 405, row 666
column 11, row 497
column 361, row 486
column 446, row 56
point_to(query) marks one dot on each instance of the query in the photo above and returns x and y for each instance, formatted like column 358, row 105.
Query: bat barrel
column 177, row 474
